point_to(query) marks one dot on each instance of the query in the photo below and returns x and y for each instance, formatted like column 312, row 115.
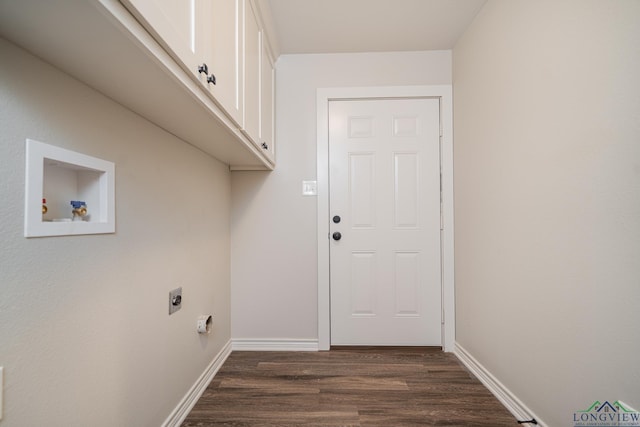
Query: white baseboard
column 250, row 344
column 187, row 403
column 502, row 393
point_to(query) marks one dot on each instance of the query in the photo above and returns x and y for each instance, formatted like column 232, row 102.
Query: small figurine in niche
column 44, row 206
column 79, row 210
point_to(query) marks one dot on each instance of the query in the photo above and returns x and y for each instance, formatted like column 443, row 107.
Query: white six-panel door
column 384, row 184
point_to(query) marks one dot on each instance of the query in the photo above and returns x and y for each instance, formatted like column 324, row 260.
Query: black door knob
column 337, row 235
column 336, row 219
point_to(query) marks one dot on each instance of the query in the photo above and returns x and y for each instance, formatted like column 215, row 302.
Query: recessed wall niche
column 67, row 193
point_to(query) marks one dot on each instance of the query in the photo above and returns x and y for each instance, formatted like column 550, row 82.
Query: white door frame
column 444, row 93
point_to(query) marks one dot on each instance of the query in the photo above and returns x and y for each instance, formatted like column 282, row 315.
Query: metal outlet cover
column 175, row 300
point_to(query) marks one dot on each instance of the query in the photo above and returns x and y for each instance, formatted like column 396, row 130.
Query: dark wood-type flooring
column 347, row 387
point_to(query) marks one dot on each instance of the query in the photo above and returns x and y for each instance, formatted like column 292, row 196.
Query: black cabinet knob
column 337, row 235
column 211, row 78
column 265, row 146
column 203, row 69
column 337, row 219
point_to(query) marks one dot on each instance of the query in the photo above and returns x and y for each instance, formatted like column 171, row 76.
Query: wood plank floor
column 347, row 387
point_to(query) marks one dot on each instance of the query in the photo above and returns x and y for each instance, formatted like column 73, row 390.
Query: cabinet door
column 172, row 24
column 267, row 82
column 219, row 29
column 251, row 125
column 198, row 33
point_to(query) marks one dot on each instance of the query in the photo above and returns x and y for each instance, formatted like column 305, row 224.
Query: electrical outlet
column 175, row 300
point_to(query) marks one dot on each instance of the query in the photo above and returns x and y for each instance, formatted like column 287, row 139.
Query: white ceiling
column 333, row 26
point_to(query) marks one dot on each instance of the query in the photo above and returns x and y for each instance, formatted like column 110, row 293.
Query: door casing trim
column 444, row 93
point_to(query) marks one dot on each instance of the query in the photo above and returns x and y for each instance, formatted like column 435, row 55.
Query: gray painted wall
column 547, row 200
column 274, row 228
column 85, row 338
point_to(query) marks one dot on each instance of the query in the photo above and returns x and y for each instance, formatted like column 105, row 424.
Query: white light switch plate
column 309, row 188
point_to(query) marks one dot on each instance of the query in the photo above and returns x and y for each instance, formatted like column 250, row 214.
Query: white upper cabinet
column 251, row 126
column 172, row 23
column 267, row 107
column 219, row 27
column 160, row 46
column 222, row 45
column 258, row 84
column 205, row 38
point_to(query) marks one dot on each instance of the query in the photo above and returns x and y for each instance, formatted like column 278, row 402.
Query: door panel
column 406, row 190
column 362, row 189
column 384, row 183
column 363, row 296
column 407, row 283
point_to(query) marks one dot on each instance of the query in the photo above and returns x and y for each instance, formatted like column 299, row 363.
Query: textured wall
column 85, row 338
column 274, row 228
column 547, row 200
